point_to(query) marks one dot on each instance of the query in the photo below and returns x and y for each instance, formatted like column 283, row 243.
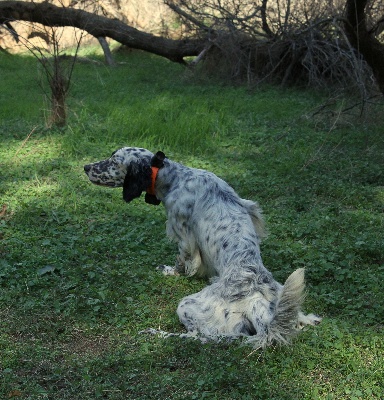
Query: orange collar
column 151, row 189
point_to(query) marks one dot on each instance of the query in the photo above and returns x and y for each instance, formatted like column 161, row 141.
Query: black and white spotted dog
column 218, row 235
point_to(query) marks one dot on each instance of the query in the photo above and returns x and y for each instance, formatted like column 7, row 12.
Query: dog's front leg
column 179, row 267
column 188, row 262
column 192, row 263
column 189, row 259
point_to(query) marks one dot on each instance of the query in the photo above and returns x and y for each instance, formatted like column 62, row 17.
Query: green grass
column 77, row 264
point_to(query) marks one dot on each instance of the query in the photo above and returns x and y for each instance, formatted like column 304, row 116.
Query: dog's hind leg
column 309, row 319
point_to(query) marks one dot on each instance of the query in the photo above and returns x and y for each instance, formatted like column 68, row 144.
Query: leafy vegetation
column 77, row 264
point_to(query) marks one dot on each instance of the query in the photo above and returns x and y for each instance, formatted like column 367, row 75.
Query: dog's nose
column 87, row 168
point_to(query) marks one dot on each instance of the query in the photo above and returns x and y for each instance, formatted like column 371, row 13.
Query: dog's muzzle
column 96, row 179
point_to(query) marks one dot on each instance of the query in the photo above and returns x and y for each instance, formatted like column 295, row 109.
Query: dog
column 218, row 236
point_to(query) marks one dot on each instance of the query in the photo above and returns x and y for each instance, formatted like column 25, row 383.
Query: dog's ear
column 152, row 199
column 158, row 160
column 137, row 179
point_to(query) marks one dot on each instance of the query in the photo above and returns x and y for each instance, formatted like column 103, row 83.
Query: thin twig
column 24, row 142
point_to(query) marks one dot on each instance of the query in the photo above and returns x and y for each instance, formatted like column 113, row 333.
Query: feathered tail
column 284, row 324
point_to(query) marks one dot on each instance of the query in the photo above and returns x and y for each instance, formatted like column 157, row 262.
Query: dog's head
column 129, row 167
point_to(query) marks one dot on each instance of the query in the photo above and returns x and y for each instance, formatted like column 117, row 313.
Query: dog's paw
column 167, row 270
column 313, row 319
column 310, row 319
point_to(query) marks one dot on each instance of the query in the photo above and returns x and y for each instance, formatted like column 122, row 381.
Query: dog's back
column 209, row 220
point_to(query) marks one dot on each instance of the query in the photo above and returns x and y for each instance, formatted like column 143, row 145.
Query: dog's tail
column 284, row 324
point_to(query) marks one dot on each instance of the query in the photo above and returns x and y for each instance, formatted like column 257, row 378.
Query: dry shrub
column 298, row 42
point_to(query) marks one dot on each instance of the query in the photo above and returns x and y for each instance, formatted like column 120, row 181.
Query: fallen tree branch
column 100, row 26
column 107, row 51
column 194, row 62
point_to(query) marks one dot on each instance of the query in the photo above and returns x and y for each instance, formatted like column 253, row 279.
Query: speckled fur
column 218, row 235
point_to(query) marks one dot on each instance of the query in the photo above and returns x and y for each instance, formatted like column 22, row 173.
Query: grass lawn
column 77, row 264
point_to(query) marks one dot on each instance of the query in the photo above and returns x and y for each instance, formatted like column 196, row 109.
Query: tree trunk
column 58, row 112
column 366, row 44
column 59, row 88
column 99, row 26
